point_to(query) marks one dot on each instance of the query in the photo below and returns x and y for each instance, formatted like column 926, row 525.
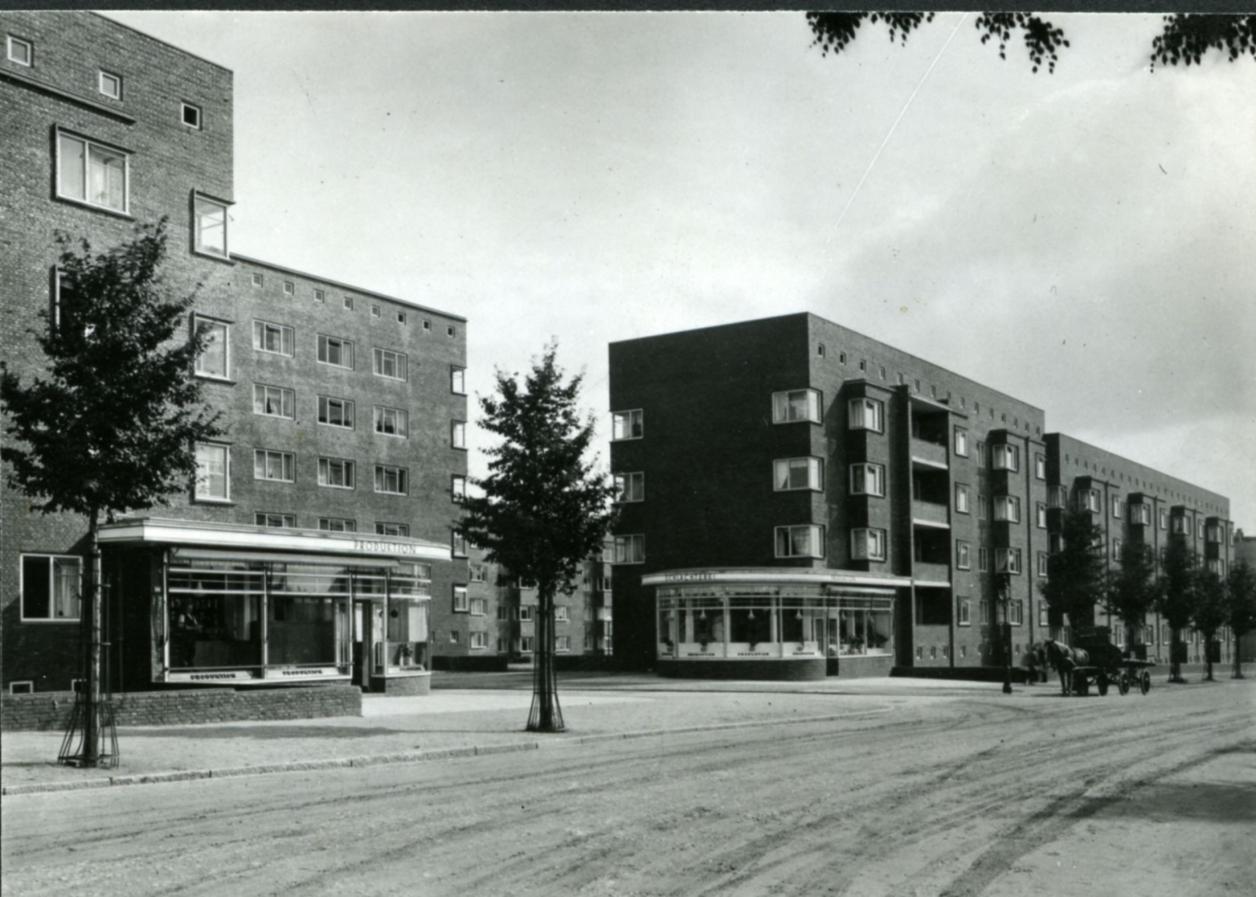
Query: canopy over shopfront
column 772, row 622
column 230, row 604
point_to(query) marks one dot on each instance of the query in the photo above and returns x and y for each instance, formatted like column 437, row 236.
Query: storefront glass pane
column 407, row 633
column 305, row 630
column 215, row 616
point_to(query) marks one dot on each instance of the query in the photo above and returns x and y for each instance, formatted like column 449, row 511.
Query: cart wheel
column 1102, row 682
column 1123, row 684
column 1145, row 682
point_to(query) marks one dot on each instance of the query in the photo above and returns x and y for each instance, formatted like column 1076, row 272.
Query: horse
column 1064, row 660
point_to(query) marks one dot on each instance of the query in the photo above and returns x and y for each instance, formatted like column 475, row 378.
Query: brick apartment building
column 316, row 543
column 800, row 500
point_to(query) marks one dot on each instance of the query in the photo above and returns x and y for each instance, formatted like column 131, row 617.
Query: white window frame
column 327, row 464
column 263, row 330
column 457, row 487
column 1005, row 456
column 458, row 380
column 1007, row 508
column 1116, row 549
column 963, row 611
column 562, row 614
column 630, row 486
column 792, row 406
column 400, row 421
column 1116, row 508
column 478, row 641
column 286, row 461
column 1164, row 519
column 784, row 540
column 201, row 204
column 348, row 411
column 562, row 644
column 867, row 478
column 1040, row 466
column 865, row 413
column 52, row 587
column 197, row 114
column 961, row 498
column 263, row 394
column 963, row 555
column 1044, row 564
column 225, row 498
column 630, row 548
column 1140, row 513
column 384, row 358
column 337, row 525
column 868, row 544
column 458, row 434
column 389, row 528
column 1093, row 501
column 12, row 42
column 629, row 424
column 1016, row 611
column 392, row 480
column 266, row 518
column 457, row 543
column 199, row 321
column 786, row 470
column 103, row 79
column 1008, row 560
column 375, row 310
column 343, row 347
column 1040, row 515
column 478, row 607
column 461, row 601
column 101, row 148
column 961, row 442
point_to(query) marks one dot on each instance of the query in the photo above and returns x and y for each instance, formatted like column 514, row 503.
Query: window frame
column 458, row 435
column 287, row 396
column 963, row 555
column 287, row 465
column 868, row 543
column 857, row 411
column 457, row 380
column 457, row 487
column 88, row 144
column 200, row 199
column 1040, row 466
column 629, row 548
column 1043, row 564
column 346, row 466
column 324, row 347
column 630, row 421
column 401, row 421
column 225, row 498
column 101, row 76
column 629, row 486
column 287, row 337
column 392, row 529
column 213, row 323
column 814, row 474
column 457, row 543
column 963, row 611
column 1005, row 456
column 399, row 361
column 198, row 114
column 263, row 518
column 11, row 41
column 960, row 442
column 861, row 487
column 815, row 541
column 52, row 558
column 1007, row 508
column 1040, row 515
column 337, row 525
column 1008, row 560
column 400, row 474
column 783, row 409
column 348, row 408
column 962, row 503
column 460, row 600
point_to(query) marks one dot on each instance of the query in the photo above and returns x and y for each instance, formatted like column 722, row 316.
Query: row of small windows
column 329, row 524
column 22, row 52
column 280, row 401
column 349, row 303
column 213, row 473
column 797, row 541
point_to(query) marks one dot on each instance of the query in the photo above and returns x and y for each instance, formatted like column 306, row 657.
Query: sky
column 1083, row 240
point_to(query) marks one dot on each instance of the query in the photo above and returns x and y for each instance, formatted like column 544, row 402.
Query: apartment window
column 867, row 479
column 92, row 173
column 320, row 296
column 275, row 338
column 458, row 434
column 348, row 303
column 795, row 405
column 525, row 613
column 336, row 473
column 375, row 310
column 390, row 364
column 805, row 541
column 1199, row 530
column 457, row 487
column 867, row 544
column 1016, row 611
column 478, row 640
column 20, row 51
column 337, row 525
column 1005, row 457
column 479, row 607
column 963, row 558
column 461, row 603
column 274, row 401
column 1044, row 561
column 866, row 414
column 1057, row 496
column 213, row 472
column 1179, row 526
column 789, row 474
column 560, row 614
column 1093, row 500
column 1116, row 549
column 479, row 573
column 215, row 357
column 525, row 644
column 391, row 421
column 1116, row 508
column 1007, row 507
column 458, row 381
column 630, row 549
column 458, row 543
column 453, row 636
column 391, row 480
column 274, row 466
column 983, row 612
column 963, row 611
column 1007, row 560
column 1140, row 513
column 190, row 115
column 1044, row 618
column 289, row 288
column 385, row 528
column 335, row 412
column 335, row 351
column 1040, row 467
column 983, row 559
column 267, row 518
column 961, row 442
column 257, row 279
column 401, row 317
column 109, row 84
column 628, row 424
column 961, row 498
column 1164, row 520
column 51, row 585
column 209, row 218
column 1212, row 533
column 562, row 643
column 1040, row 515
column 450, row 331
column 630, row 487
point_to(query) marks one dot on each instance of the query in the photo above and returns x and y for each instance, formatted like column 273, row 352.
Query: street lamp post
column 1004, row 586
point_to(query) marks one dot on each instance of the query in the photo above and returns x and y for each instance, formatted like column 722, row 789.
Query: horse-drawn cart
column 1094, row 660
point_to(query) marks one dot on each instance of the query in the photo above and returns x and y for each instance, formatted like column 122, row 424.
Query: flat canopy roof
column 791, row 575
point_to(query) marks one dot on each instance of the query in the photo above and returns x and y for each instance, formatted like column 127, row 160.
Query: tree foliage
column 1240, row 607
column 1184, row 39
column 1209, row 611
column 110, row 427
column 1075, row 581
column 1176, row 598
column 1131, row 589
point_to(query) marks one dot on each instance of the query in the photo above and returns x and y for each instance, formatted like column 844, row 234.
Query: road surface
column 956, row 796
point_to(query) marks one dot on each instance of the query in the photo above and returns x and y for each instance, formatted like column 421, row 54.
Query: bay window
column 790, row 474
column 866, row 414
column 867, row 544
column 867, row 479
column 805, row 541
column 796, row 405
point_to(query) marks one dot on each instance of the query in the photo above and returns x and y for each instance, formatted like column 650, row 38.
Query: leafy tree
column 1132, row 589
column 543, row 510
column 1075, row 573
column 1184, row 40
column 110, row 427
column 1209, row 613
column 1240, row 607
column 1176, row 599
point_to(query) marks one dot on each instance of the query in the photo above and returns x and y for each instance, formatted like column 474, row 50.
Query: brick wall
column 51, row 710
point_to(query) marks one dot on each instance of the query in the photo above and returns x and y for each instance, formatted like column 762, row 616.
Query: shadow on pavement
column 1199, row 802
column 266, row 733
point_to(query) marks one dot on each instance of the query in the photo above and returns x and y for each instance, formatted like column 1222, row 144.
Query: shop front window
column 215, row 616
column 407, row 633
column 864, row 631
column 309, row 614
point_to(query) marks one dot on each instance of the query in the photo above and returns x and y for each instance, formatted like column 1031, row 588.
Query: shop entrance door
column 368, row 638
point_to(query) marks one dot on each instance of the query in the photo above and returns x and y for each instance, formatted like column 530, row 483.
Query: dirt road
column 925, row 796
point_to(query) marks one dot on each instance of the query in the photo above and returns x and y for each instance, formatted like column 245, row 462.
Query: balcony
column 928, row 454
column 927, row 513
column 932, row 574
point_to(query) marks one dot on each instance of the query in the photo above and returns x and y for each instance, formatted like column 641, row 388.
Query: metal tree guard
column 91, row 738
column 546, row 715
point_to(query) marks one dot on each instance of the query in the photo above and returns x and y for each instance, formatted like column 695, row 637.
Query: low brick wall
column 493, row 663
column 971, row 674
column 780, row 670
column 403, row 685
column 51, row 710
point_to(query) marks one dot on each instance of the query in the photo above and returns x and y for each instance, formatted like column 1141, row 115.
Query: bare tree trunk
column 1175, row 665
column 93, row 610
column 546, row 715
column 1238, row 660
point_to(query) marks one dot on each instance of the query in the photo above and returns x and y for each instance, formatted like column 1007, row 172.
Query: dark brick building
column 799, row 499
column 317, row 541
